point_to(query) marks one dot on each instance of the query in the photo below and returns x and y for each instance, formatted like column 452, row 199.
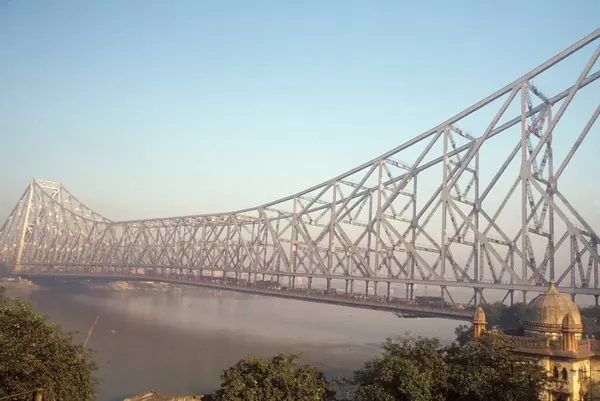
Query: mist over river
column 178, row 343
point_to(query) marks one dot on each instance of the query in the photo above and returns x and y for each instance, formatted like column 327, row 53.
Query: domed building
column 552, row 335
column 545, row 314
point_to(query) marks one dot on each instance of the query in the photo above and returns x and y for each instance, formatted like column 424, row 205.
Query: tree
column 489, row 369
column 463, row 334
column 411, row 370
column 484, row 370
column 35, row 354
column 277, row 378
column 590, row 317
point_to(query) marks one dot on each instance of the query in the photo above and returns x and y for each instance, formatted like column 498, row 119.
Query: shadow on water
column 179, row 343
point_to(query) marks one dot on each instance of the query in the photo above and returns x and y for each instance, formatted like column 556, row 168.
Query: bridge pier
column 524, row 297
column 347, row 290
column 367, row 288
column 475, row 297
column 375, row 285
column 512, row 297
column 389, row 291
column 573, row 297
column 328, row 285
column 309, row 283
column 596, row 300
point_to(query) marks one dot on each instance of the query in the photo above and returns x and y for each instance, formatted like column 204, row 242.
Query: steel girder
column 375, row 222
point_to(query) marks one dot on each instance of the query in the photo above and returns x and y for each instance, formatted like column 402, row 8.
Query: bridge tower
column 18, row 261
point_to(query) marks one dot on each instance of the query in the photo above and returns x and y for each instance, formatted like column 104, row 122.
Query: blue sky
column 159, row 108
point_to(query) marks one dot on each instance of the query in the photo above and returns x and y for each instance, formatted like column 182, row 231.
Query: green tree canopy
column 407, row 371
column 35, row 354
column 484, row 370
column 489, row 369
column 279, row 378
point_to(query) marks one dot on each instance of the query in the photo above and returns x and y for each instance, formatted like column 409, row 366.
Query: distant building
column 551, row 334
column 156, row 396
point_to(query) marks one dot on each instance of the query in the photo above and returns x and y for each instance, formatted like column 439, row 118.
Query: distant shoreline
column 18, row 283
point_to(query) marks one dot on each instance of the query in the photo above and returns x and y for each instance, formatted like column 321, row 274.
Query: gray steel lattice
column 370, row 223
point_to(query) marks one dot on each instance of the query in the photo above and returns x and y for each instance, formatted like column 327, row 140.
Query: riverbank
column 18, row 283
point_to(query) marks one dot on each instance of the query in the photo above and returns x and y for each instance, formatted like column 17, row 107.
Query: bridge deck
column 339, row 299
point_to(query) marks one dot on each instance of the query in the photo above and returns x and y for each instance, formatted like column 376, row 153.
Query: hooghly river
column 178, row 343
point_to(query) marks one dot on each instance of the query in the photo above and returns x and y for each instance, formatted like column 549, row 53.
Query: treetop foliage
column 419, row 370
column 407, row 370
column 35, row 354
column 279, row 378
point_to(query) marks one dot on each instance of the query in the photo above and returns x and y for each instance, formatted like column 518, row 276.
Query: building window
column 555, row 372
column 564, row 374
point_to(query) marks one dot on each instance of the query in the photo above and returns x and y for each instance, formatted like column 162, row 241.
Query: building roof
column 156, row 396
column 546, row 312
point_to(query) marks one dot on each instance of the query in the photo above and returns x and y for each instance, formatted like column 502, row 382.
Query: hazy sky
column 158, row 108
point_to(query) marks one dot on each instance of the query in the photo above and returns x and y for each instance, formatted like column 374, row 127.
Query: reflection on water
column 179, row 343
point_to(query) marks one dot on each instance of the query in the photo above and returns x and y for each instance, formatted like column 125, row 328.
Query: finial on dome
column 551, row 284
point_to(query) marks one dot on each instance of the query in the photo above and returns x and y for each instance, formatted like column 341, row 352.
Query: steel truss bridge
column 436, row 211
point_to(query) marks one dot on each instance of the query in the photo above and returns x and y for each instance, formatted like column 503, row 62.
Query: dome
column 570, row 324
column 545, row 313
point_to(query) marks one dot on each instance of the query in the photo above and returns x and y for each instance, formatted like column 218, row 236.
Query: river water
column 178, row 343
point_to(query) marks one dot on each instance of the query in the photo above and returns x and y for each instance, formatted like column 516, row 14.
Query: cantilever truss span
column 436, row 210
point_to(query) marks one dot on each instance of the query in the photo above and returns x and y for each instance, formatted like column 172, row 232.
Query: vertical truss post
column 478, row 268
column 279, row 250
column 413, row 240
column 258, row 241
column 227, row 258
column 293, row 243
column 595, row 247
column 551, row 234
column 380, row 189
column 265, row 245
column 574, row 257
column 332, row 223
column 370, row 232
column 444, row 196
column 525, row 171
column 19, row 260
column 203, row 246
